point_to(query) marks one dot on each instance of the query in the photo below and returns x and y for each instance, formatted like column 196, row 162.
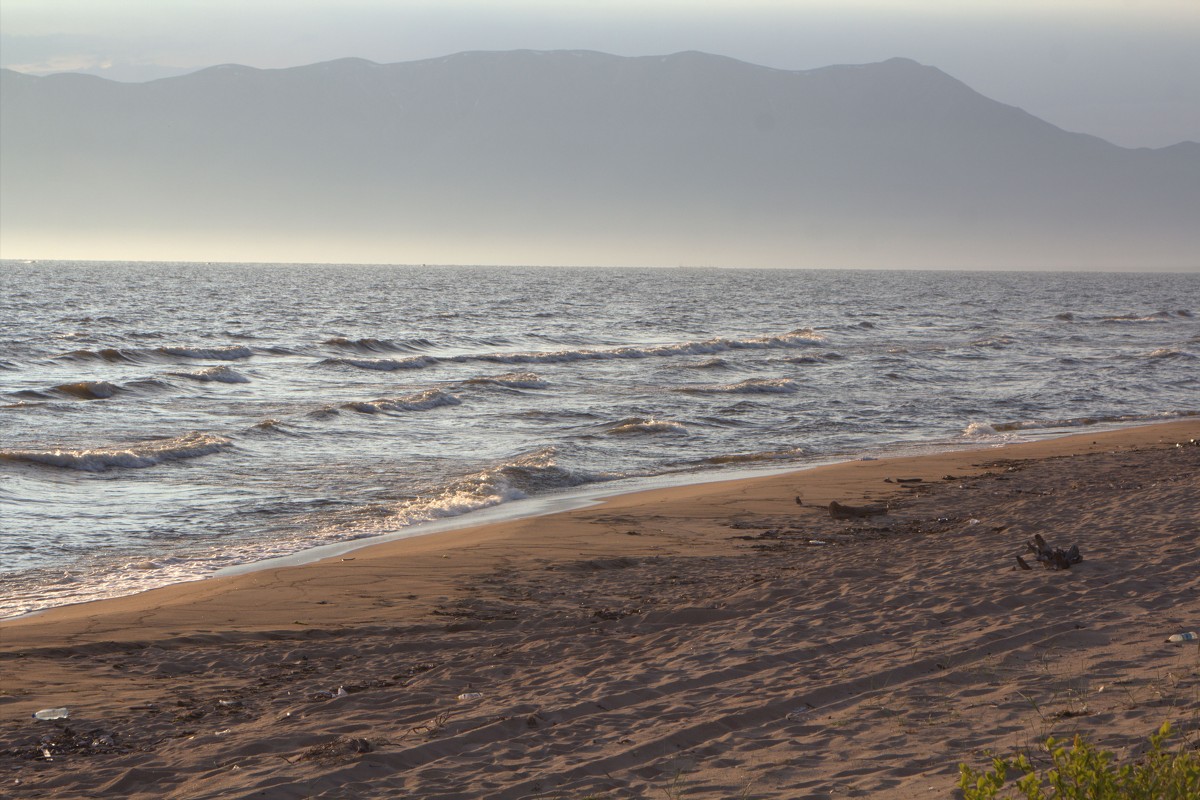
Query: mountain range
column 570, row 157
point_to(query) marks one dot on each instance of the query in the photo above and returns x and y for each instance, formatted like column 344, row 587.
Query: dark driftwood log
column 839, row 511
column 1051, row 558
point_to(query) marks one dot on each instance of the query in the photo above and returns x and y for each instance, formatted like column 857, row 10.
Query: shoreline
column 591, row 494
column 596, row 495
column 727, row 633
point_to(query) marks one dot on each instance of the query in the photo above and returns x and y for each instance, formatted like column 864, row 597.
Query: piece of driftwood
column 839, row 511
column 1050, row 558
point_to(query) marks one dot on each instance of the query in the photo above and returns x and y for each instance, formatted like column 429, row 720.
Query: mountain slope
column 580, row 157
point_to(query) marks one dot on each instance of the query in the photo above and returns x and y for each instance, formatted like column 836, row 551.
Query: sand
column 710, row 641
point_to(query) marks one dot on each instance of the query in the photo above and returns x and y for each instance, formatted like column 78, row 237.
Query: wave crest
column 511, row 380
column 422, row 401
column 638, row 425
column 114, row 355
column 382, row 364
column 231, row 352
column 748, row 386
column 797, row 338
column 1171, row 353
column 131, row 456
column 1132, row 319
column 370, row 345
column 532, row 473
column 88, row 390
column 994, row 428
column 222, row 374
column 109, row 354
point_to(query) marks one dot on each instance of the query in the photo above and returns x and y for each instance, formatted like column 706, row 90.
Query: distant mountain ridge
column 582, row 157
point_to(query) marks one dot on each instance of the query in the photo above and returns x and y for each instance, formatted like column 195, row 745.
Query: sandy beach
column 721, row 640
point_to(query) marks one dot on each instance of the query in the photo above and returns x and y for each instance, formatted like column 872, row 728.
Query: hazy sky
column 1125, row 70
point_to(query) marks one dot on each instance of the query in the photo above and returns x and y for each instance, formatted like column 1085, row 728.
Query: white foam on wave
column 994, row 342
column 797, row 338
column 135, row 455
column 532, row 473
column 748, row 386
column 382, row 364
column 138, row 355
column 222, row 374
column 711, row 363
column 226, row 353
column 978, row 430
column 638, row 425
column 1170, row 352
column 511, row 380
column 422, row 401
column 984, row 429
column 1133, row 319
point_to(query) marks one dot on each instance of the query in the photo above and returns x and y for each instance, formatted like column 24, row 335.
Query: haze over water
column 162, row 421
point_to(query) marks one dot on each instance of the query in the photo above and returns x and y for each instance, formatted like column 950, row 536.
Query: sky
column 1127, row 71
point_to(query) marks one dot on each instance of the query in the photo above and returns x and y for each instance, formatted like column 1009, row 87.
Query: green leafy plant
column 1084, row 772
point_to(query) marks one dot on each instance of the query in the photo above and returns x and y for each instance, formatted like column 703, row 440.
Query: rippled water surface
column 161, row 421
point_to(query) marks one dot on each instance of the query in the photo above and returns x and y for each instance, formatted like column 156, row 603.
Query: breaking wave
column 995, row 342
column 1126, row 319
column 271, row 426
column 88, row 390
column 1171, row 353
column 131, row 456
column 748, row 386
column 369, row 345
column 227, row 353
column 422, row 401
column 511, row 380
column 218, row 374
column 382, row 364
column 23, row 404
column 110, row 354
column 638, row 425
column 533, row 473
column 102, row 390
column 978, row 429
column 798, row 338
column 231, row 352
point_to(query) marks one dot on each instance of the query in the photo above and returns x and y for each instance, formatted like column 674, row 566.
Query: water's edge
column 576, row 498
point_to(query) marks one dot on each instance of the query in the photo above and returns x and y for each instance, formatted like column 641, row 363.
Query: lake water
column 159, row 422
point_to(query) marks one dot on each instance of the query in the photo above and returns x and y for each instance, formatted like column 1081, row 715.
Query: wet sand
column 709, row 641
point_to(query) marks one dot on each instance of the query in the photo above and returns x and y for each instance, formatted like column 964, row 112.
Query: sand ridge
column 707, row 641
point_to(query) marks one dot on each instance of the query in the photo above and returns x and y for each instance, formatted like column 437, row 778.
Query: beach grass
column 1083, row 771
